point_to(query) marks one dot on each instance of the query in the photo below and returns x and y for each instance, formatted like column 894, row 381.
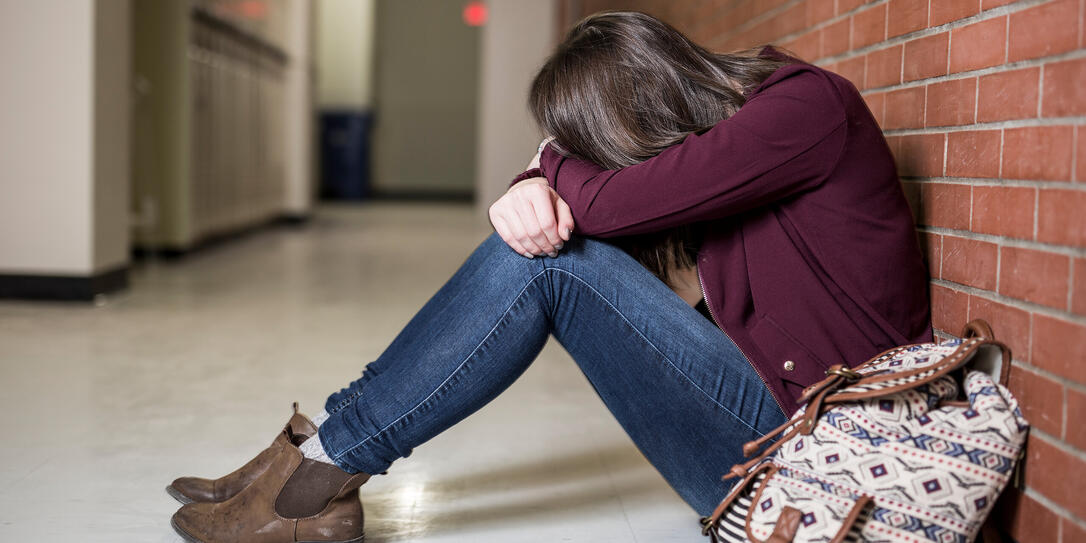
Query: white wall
column 62, row 196
column 345, row 41
column 515, row 42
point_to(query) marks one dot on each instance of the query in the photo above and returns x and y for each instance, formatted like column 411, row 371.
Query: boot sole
column 177, row 495
column 191, row 539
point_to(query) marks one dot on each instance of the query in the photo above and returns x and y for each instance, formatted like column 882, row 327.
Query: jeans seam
column 658, row 351
column 345, row 402
column 458, row 368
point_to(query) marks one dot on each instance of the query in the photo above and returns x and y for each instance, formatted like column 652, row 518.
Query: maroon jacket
column 810, row 254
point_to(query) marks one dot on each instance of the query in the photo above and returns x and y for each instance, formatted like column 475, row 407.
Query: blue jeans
column 678, row 386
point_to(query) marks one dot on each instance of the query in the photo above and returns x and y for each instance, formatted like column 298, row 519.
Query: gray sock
column 312, row 448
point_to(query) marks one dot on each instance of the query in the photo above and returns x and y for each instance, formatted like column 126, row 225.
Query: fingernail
column 529, row 255
column 569, row 232
column 559, row 246
column 552, row 255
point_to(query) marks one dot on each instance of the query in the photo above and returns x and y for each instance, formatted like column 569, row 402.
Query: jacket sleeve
column 783, row 141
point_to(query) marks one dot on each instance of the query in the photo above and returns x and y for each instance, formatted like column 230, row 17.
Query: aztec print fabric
column 905, row 449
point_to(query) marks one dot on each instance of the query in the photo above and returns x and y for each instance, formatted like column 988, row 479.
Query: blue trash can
column 345, row 154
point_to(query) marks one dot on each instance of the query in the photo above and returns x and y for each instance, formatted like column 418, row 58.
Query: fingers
column 547, row 236
column 564, row 217
column 533, row 220
column 520, row 233
column 532, row 239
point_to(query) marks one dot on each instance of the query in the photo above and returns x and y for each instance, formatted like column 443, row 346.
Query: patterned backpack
column 914, row 445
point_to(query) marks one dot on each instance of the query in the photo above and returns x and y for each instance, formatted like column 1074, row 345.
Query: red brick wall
column 984, row 105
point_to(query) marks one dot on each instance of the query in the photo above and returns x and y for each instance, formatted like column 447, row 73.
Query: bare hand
column 532, row 218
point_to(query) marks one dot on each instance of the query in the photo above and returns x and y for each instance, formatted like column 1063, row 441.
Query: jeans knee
column 494, row 249
column 587, row 251
column 578, row 253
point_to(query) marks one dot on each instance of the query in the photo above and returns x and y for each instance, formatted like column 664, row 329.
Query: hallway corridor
column 193, row 369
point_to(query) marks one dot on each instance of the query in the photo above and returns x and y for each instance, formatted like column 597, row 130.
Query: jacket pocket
column 788, row 359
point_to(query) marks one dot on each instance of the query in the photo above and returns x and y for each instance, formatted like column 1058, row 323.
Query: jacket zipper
column 709, row 306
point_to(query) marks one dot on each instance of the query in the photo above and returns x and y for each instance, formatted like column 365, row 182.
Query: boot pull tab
column 295, row 406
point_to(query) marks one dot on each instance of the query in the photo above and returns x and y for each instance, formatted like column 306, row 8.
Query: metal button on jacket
column 789, row 365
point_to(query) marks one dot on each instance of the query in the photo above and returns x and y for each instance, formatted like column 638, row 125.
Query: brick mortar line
column 1037, row 224
column 1005, row 241
column 1071, row 286
column 1076, row 120
column 1065, row 398
column 1054, row 507
column 999, row 251
column 1073, row 54
column 1013, row 302
column 1006, row 41
column 941, row 239
column 1074, row 153
column 1067, row 382
column 946, row 148
column 949, row 44
column 1002, row 150
column 976, row 88
column 1030, row 338
column 922, row 33
column 1059, row 443
column 886, row 32
column 1040, row 90
column 995, row 182
column 972, row 206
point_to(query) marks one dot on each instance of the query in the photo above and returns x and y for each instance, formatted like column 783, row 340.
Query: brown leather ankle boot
column 196, row 489
column 294, row 500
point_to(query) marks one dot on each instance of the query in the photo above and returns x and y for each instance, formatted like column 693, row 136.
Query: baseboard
column 210, row 241
column 62, row 287
column 295, row 219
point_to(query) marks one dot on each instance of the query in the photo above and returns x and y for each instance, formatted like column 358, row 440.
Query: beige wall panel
column 426, row 97
column 46, row 103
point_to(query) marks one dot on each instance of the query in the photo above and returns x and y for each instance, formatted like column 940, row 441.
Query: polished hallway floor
column 193, row 369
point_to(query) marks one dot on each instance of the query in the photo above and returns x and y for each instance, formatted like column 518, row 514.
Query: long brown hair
column 622, row 87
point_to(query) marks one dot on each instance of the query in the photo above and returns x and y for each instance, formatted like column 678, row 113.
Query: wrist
column 527, row 174
column 528, row 181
